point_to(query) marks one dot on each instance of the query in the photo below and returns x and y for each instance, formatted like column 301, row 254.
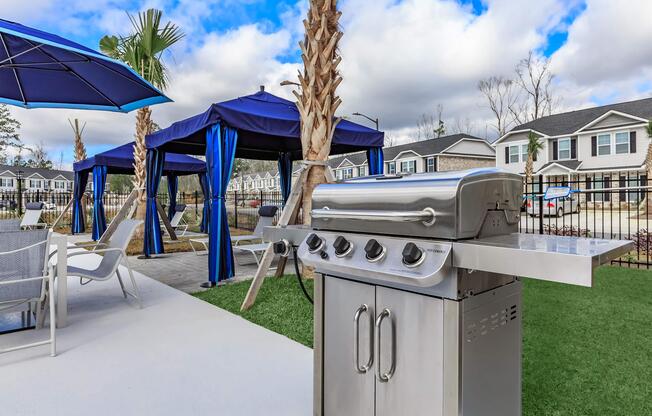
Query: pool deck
column 176, row 356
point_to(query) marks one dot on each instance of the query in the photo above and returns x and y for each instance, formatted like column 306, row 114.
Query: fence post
column 196, row 203
column 235, row 209
column 20, row 196
column 540, row 204
column 261, row 198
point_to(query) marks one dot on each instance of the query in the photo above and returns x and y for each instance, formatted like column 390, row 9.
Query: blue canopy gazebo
column 120, row 160
column 258, row 126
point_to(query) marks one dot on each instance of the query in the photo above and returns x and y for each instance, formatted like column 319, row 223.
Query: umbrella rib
column 68, row 69
column 9, row 58
column 20, row 87
column 102, row 64
column 27, row 65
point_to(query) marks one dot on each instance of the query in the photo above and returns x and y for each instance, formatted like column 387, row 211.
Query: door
column 348, row 350
column 409, row 363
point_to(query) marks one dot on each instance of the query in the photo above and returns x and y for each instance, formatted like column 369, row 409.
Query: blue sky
column 401, row 58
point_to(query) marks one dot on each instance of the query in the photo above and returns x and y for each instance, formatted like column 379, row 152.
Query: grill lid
column 447, row 205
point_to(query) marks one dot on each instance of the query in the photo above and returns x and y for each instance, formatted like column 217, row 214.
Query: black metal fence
column 609, row 206
column 242, row 207
column 12, row 205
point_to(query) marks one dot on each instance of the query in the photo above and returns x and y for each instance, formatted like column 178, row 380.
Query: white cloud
column 400, row 59
column 605, row 55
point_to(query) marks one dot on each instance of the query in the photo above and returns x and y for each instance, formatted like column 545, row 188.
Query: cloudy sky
column 400, row 58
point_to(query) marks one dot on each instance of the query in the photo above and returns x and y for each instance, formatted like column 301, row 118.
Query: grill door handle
column 384, row 377
column 426, row 216
column 356, row 340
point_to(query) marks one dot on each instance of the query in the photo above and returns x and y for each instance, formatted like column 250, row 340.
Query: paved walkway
column 176, row 356
column 186, row 271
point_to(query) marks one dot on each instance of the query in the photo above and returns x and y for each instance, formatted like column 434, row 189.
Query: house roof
column 427, row 147
column 568, row 164
column 570, row 122
column 45, row 173
column 421, row 148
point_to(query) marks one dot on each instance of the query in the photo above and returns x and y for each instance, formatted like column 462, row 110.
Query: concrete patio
column 176, row 356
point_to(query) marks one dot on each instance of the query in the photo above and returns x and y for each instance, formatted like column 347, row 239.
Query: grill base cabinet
column 448, row 357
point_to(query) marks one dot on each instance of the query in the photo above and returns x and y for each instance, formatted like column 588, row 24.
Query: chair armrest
column 101, row 250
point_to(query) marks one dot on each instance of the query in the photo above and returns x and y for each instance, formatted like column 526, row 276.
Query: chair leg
column 133, row 282
column 39, row 318
column 122, row 285
column 53, row 319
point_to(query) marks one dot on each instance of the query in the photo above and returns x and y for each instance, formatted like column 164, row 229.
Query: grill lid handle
column 426, row 216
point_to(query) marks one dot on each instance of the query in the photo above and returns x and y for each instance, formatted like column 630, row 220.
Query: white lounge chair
column 265, row 219
column 32, row 216
column 24, row 271
column 112, row 256
column 177, row 222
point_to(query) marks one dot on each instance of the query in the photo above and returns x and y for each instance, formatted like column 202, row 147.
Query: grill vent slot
column 490, row 323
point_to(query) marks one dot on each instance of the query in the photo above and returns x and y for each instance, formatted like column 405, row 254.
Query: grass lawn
column 585, row 351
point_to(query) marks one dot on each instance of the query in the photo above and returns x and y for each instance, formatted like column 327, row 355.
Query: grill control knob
column 342, row 246
column 374, row 250
column 314, row 243
column 411, row 254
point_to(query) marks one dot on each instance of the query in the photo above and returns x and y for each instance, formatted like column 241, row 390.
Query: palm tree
column 80, row 149
column 317, row 101
column 534, row 146
column 143, row 51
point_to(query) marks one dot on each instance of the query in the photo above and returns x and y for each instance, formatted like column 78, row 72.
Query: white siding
column 519, row 138
column 612, row 160
column 472, row 147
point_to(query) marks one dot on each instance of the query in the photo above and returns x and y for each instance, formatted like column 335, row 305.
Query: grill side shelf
column 569, row 260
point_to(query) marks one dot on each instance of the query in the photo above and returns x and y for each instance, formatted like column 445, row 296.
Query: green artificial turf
column 586, row 351
column 280, row 305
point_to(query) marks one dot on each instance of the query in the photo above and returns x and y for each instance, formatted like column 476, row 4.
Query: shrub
column 566, row 230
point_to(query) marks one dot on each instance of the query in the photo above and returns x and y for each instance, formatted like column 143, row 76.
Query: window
column 604, row 144
column 563, row 149
column 409, row 166
column 391, row 168
column 514, row 156
column 602, row 183
column 59, row 185
column 361, row 171
column 347, row 173
column 622, row 142
column 34, row 183
column 6, row 183
column 430, row 164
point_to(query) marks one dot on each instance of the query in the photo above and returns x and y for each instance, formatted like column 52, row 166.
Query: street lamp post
column 373, row 120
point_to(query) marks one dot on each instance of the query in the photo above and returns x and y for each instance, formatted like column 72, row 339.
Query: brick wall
column 445, row 163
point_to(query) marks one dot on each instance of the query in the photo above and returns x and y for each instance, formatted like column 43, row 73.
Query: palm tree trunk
column 80, row 149
column 317, row 101
column 143, row 128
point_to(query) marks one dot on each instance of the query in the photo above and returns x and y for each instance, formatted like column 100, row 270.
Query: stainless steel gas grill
column 417, row 300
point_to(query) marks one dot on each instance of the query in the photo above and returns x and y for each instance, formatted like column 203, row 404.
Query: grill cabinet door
column 347, row 391
column 416, row 387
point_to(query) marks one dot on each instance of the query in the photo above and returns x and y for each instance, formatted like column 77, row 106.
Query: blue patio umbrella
column 40, row 69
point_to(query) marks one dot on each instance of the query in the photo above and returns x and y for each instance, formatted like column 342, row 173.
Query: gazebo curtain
column 220, row 154
column 285, row 174
column 99, row 185
column 173, row 187
column 376, row 160
column 78, row 222
column 206, row 212
column 153, row 240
